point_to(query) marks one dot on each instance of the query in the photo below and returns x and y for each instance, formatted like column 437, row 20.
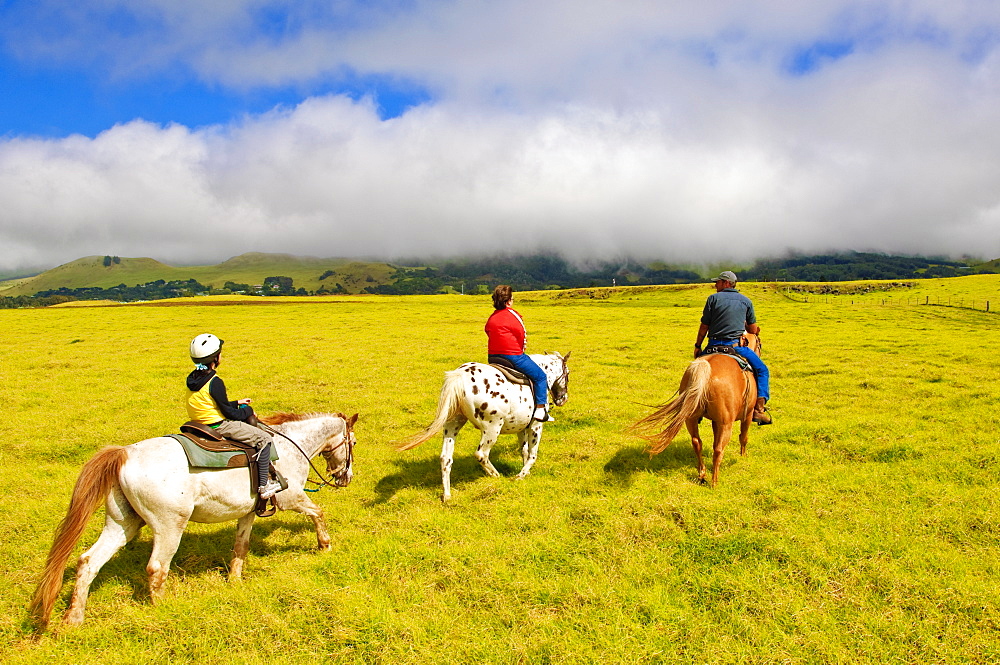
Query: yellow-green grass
column 252, row 268
column 862, row 527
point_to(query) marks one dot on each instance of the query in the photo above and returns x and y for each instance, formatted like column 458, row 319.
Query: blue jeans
column 760, row 371
column 529, row 368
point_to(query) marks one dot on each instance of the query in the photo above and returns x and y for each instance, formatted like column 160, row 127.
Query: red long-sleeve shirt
column 506, row 333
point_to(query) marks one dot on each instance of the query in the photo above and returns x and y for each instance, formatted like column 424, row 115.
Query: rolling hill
column 251, row 268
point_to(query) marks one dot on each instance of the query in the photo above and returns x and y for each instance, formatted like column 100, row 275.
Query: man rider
column 727, row 315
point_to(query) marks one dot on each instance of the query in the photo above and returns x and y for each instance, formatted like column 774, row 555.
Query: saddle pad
column 728, row 350
column 223, row 454
column 199, row 457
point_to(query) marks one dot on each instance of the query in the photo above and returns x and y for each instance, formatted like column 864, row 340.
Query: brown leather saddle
column 731, row 352
column 208, row 439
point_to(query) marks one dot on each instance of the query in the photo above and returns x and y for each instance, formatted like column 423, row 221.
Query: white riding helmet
column 205, row 347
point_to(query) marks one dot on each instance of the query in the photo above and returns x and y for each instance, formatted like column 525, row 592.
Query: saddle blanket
column 230, row 457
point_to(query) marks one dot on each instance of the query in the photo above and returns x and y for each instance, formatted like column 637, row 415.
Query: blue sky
column 57, row 102
column 595, row 128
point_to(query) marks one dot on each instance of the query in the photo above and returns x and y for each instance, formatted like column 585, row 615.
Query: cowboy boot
column 760, row 414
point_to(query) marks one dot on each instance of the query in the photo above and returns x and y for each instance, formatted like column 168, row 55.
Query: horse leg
column 242, row 546
column 722, row 432
column 166, row 537
column 491, row 430
column 692, row 428
column 121, row 524
column 451, row 430
column 300, row 503
column 530, row 439
column 745, row 433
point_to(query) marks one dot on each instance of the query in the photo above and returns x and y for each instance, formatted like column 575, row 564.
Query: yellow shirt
column 201, row 407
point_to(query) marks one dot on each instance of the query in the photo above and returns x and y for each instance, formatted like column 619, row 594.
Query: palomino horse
column 715, row 387
column 480, row 394
column 150, row 482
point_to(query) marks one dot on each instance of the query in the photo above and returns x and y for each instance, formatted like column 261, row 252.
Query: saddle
column 516, row 377
column 729, row 351
column 506, row 368
column 205, row 448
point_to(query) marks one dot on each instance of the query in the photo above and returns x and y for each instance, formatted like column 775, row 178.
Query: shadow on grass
column 198, row 553
column 634, row 459
column 425, row 473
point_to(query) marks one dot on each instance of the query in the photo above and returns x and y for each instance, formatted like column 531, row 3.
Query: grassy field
column 862, row 527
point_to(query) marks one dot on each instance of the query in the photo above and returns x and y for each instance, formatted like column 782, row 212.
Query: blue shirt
column 727, row 314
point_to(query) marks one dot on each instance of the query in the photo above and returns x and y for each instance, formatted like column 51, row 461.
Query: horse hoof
column 72, row 620
column 702, row 481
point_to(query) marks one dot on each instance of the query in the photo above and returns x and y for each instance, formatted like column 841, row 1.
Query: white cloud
column 597, row 128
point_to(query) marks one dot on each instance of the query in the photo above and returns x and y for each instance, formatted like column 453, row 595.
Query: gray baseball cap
column 725, row 275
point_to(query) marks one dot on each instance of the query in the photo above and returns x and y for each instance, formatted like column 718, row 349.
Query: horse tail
column 448, row 407
column 97, row 478
column 688, row 403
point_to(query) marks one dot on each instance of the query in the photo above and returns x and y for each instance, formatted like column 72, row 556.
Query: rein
column 326, row 482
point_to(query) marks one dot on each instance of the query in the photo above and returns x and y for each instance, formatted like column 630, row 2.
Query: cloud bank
column 734, row 131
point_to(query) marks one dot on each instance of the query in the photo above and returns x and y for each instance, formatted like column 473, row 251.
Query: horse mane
column 282, row 417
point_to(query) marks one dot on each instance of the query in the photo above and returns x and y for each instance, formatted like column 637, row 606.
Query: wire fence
column 979, row 304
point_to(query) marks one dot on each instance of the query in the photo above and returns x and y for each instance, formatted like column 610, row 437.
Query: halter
column 347, row 441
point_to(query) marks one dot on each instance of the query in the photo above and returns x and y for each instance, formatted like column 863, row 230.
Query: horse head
column 751, row 341
column 338, row 451
column 560, row 387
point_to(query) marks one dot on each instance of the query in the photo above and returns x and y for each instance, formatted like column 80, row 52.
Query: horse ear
column 353, row 419
column 566, row 357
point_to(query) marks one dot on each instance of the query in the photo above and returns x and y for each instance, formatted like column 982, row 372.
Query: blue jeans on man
column 524, row 364
column 760, row 370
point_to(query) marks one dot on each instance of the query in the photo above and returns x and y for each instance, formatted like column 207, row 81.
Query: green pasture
column 862, row 526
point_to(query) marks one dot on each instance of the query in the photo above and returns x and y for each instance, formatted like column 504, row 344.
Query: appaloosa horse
column 150, row 482
column 713, row 386
column 480, row 394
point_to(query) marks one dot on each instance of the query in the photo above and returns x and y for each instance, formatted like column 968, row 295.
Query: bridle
column 564, row 377
column 347, row 441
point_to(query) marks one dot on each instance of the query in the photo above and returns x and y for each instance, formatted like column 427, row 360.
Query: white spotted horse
column 151, row 483
column 483, row 395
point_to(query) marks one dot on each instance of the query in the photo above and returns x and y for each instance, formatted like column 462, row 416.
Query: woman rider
column 207, row 403
column 507, row 339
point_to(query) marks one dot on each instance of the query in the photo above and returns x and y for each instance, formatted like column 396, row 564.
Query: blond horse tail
column 689, row 402
column 97, row 477
column 451, row 392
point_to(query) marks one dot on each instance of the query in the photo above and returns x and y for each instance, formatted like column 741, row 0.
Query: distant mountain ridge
column 112, row 277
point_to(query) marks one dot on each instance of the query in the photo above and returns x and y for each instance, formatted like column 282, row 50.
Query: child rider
column 207, row 403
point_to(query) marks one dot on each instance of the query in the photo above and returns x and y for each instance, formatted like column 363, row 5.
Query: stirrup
column 269, row 490
column 546, row 416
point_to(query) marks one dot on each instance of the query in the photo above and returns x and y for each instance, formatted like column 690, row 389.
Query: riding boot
column 760, row 414
column 542, row 415
column 267, row 487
